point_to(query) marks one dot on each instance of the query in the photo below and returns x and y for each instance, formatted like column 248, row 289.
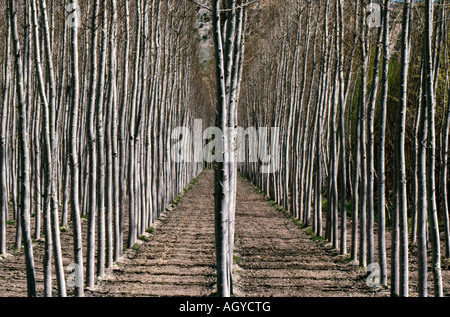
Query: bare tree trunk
column 431, row 148
column 73, row 151
column 111, row 188
column 91, row 141
column 416, row 157
column 362, row 140
column 371, row 150
column 382, row 149
column 132, row 236
column 122, row 135
column 356, row 180
column 3, row 139
column 342, row 145
column 400, row 186
column 24, row 155
column 101, row 255
column 422, row 210
column 221, row 191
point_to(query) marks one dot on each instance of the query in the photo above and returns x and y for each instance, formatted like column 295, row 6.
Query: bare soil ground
column 274, row 256
column 280, row 259
column 178, row 257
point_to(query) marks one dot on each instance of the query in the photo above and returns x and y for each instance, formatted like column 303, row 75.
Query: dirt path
column 278, row 258
column 275, row 257
column 179, row 255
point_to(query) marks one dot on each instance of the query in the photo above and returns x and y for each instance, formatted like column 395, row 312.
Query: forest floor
column 274, row 256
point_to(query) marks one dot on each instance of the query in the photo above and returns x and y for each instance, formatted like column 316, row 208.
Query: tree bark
column 24, row 154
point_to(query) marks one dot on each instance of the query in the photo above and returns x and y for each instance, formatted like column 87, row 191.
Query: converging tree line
column 350, row 101
column 360, row 93
column 90, row 92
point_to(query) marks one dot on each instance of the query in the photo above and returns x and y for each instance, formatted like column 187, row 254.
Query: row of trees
column 360, row 94
column 228, row 26
column 90, row 93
